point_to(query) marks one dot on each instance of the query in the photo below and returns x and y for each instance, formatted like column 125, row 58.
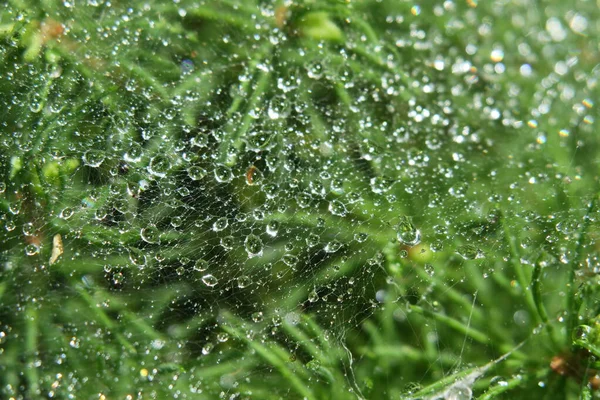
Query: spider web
column 206, row 217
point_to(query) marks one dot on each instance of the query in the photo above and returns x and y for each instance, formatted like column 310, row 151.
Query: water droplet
column 260, row 140
column 253, row 245
column 32, row 249
column 93, row 158
column 303, row 199
column 133, row 154
column 360, row 237
column 227, row 242
column 313, row 296
column 223, row 174
column 138, row 259
column 406, row 232
column 257, row 316
column 66, row 213
column 272, row 228
column 149, row 234
column 436, row 246
column 379, row 185
column 210, row 280
column 278, row 108
column 220, row 224
column 222, row 337
column 176, row 221
column 314, row 70
column 28, row 229
column 290, row 260
column 336, row 207
column 200, row 140
column 196, row 173
column 469, row 252
column 243, row 281
column 10, row 225
column 312, row 240
column 429, row 269
column 159, row 166
column 207, row 348
column 200, row 265
column 332, row 246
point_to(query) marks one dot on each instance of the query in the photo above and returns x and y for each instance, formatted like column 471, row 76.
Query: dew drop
column 93, row 158
column 312, row 240
column 273, row 228
column 332, row 246
column 210, row 280
column 406, row 233
column 469, row 252
column 290, row 260
column 200, row 265
column 253, row 245
column 149, row 234
column 200, row 140
column 220, row 224
column 360, row 237
column 336, row 207
column 32, row 249
column 243, row 281
column 133, row 154
column 223, row 174
column 227, row 242
column 257, row 317
column 196, row 173
column 159, row 166
column 207, row 348
column 222, row 337
column 303, row 199
column 28, row 229
column 66, row 213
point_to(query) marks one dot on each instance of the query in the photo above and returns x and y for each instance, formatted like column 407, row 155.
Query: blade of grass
column 272, row 359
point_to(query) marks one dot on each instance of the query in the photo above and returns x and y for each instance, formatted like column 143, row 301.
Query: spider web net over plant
column 316, row 200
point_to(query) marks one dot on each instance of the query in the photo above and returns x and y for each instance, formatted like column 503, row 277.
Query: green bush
column 376, row 199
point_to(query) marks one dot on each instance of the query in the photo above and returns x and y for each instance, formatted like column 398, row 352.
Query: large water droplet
column 159, row 166
column 200, row 265
column 469, row 252
column 196, row 173
column 336, row 207
column 209, row 280
column 243, row 281
column 332, row 246
column 406, row 232
column 93, row 158
column 32, row 249
column 253, row 245
column 149, row 234
column 220, row 224
column 303, row 199
column 290, row 260
column 227, row 242
column 273, row 228
column 133, row 154
column 223, row 174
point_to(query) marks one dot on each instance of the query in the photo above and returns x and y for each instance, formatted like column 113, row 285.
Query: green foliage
column 320, row 200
